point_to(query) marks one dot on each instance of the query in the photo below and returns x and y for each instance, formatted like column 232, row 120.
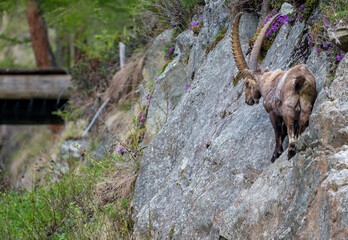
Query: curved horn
column 257, row 46
column 237, row 49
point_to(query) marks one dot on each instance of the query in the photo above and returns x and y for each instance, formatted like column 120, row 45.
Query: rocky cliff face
column 207, row 173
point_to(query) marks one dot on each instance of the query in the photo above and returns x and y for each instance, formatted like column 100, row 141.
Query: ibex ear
column 251, row 73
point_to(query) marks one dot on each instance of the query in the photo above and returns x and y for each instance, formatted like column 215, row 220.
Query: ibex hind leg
column 289, row 119
column 306, row 109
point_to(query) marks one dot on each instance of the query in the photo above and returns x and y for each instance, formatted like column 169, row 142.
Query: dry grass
column 118, row 187
column 125, row 82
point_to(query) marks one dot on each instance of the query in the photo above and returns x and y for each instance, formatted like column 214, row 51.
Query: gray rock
column 180, row 172
column 289, row 50
column 317, row 63
column 287, row 9
column 281, row 54
column 207, row 175
column 155, row 58
column 330, row 114
column 170, row 86
column 339, row 35
column 71, row 149
column 305, row 198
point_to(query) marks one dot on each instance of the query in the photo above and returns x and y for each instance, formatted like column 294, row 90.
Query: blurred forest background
column 80, row 29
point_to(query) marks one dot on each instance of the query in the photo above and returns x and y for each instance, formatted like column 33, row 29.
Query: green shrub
column 70, row 208
column 177, row 14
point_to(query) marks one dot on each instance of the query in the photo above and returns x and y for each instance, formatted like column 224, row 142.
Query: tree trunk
column 38, row 33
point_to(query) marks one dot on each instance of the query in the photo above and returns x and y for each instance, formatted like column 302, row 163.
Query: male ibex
column 288, row 96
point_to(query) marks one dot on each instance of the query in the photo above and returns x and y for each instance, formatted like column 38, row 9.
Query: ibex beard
column 288, row 96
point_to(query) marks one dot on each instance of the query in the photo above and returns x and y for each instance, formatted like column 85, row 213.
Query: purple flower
column 153, row 87
column 141, row 123
column 190, row 28
column 147, row 102
column 325, row 45
column 167, row 54
column 317, row 50
column 120, row 150
column 310, row 41
column 338, row 58
column 326, row 21
column 202, row 17
column 302, row 6
column 194, row 23
column 156, row 78
column 171, row 49
column 141, row 117
column 168, row 60
column 147, row 95
column 226, row 8
column 171, row 108
column 342, row 55
column 329, row 57
column 187, row 87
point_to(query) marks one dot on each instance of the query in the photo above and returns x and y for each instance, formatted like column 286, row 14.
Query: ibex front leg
column 279, row 132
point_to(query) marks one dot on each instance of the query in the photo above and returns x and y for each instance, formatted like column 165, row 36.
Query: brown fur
column 288, row 96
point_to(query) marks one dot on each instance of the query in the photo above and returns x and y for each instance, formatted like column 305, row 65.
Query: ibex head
column 251, row 75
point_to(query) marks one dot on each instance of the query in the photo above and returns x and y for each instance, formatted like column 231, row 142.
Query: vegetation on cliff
column 91, row 197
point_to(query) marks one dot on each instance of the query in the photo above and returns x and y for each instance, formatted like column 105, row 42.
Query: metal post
column 122, row 54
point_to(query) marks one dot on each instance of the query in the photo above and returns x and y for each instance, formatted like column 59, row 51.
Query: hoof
column 273, row 159
column 291, row 152
column 275, row 156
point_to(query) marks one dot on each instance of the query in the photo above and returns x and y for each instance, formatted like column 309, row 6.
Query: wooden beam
column 34, row 85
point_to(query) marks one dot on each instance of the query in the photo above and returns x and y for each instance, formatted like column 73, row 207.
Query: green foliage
column 70, row 112
column 217, row 39
column 189, row 4
column 92, row 26
column 165, row 66
column 64, row 209
column 15, row 45
column 88, row 18
column 177, row 14
column 335, row 11
column 92, row 75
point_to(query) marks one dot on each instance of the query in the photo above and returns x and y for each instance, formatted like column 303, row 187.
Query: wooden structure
column 29, row 96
